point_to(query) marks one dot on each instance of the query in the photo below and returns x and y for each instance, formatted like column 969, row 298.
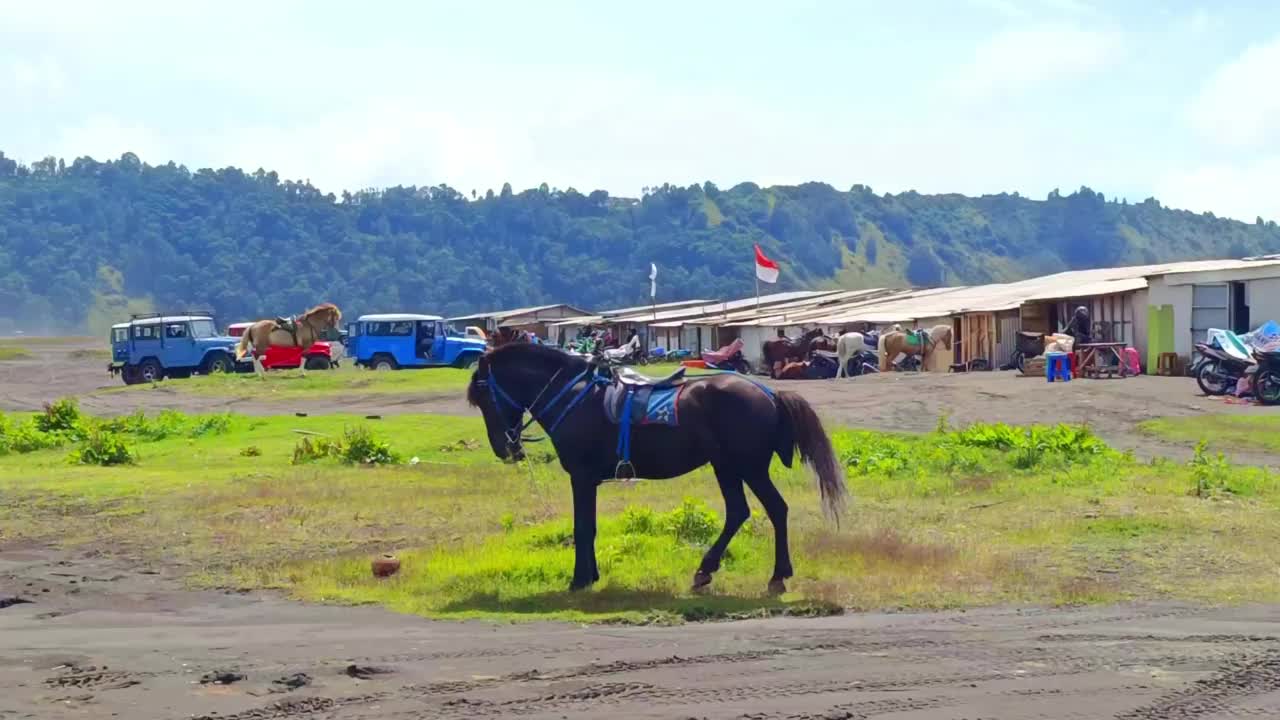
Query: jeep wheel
column 317, row 362
column 130, row 375
column 383, row 362
column 218, row 363
column 150, row 371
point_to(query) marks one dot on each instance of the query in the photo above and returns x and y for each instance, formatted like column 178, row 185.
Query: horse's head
column 324, row 316
column 942, row 334
column 507, row 382
column 501, row 418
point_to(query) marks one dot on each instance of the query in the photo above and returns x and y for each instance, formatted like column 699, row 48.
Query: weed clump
column 102, row 447
column 358, row 446
column 61, row 416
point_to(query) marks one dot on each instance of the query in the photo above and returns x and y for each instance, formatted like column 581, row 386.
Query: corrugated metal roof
column 504, row 314
column 718, row 308
column 1104, row 287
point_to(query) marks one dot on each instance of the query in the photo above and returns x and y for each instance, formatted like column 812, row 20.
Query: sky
column 1136, row 99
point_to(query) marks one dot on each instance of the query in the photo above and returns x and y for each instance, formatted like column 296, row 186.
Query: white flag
column 653, row 280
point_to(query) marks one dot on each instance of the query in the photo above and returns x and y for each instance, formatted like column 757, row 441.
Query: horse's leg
column 258, row 369
column 736, row 512
column 303, row 367
column 776, row 508
column 585, row 571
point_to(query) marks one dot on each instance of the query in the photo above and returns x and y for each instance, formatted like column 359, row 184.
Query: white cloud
column 1239, row 106
column 1242, row 191
column 1022, row 59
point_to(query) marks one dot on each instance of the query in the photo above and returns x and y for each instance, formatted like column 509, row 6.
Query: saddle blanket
column 918, row 337
column 649, row 405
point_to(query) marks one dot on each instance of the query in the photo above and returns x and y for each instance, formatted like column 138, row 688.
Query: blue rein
column 498, row 395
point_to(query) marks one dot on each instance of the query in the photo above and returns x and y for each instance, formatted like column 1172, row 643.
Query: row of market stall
column 1157, row 309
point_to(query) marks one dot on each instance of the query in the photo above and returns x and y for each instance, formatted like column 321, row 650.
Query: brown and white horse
column 268, row 333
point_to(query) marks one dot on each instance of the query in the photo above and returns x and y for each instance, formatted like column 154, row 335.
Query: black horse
column 726, row 420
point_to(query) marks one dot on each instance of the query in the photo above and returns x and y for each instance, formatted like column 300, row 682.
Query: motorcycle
column 629, row 354
column 1266, row 383
column 728, row 357
column 863, row 362
column 1218, row 372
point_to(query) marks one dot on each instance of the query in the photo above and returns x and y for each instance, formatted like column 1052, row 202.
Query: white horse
column 852, row 343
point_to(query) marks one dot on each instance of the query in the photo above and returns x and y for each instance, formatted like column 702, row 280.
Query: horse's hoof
column 777, row 587
column 701, row 581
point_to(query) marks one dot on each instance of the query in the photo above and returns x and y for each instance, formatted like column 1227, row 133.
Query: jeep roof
column 396, row 317
column 167, row 319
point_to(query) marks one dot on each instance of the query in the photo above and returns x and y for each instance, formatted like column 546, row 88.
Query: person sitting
column 426, row 338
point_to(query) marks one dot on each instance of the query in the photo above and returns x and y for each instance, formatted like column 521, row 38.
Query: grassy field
column 342, row 381
column 289, row 384
column 13, row 352
column 1220, row 432
column 954, row 518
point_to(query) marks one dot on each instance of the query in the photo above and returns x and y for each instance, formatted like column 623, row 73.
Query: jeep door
column 146, row 343
column 180, row 349
column 439, row 346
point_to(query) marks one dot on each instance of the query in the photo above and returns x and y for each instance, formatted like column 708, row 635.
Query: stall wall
column 1007, row 326
column 1178, row 298
column 1263, row 298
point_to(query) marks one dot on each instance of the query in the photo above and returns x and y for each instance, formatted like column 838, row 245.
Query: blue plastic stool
column 1057, row 365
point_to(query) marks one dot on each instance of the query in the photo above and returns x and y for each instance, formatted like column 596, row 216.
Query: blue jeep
column 402, row 340
column 150, row 348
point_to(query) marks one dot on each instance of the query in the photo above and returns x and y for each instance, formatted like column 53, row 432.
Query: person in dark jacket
column 1080, row 328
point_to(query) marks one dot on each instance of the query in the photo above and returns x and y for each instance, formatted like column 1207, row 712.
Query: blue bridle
column 515, row 431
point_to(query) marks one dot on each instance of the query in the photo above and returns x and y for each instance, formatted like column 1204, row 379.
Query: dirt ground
column 107, row 639
column 92, row 636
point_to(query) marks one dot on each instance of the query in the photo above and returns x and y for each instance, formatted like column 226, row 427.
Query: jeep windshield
column 203, row 329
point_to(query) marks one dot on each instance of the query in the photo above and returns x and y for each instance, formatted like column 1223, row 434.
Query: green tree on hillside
column 84, row 243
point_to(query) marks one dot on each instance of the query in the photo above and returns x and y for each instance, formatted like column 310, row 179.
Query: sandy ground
column 85, row 636
column 104, row 639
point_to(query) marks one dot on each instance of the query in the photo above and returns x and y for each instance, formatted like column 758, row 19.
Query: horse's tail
column 804, row 432
column 245, row 344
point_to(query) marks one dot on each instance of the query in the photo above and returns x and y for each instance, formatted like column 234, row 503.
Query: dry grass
column 935, row 522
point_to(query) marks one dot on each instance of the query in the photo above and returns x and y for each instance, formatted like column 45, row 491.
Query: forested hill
column 83, row 243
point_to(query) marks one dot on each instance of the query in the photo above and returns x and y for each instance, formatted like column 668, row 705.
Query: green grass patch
column 988, row 514
column 343, row 381
column 13, row 352
column 1220, row 432
column 88, row 354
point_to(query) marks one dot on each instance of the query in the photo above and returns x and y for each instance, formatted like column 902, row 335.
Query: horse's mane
column 324, row 307
column 525, row 354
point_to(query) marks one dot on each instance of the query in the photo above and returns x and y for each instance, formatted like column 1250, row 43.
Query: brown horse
column 781, row 351
column 306, row 331
column 894, row 343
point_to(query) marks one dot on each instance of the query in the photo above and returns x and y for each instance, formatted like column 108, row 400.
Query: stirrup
column 626, row 467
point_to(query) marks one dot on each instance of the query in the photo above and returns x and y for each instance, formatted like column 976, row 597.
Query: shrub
column 211, row 425
column 691, row 522
column 310, row 449
column 639, row 521
column 362, row 448
column 102, row 447
column 61, row 416
column 251, row 451
column 27, row 437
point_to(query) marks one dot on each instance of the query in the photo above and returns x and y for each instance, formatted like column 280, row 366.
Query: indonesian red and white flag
column 766, row 269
